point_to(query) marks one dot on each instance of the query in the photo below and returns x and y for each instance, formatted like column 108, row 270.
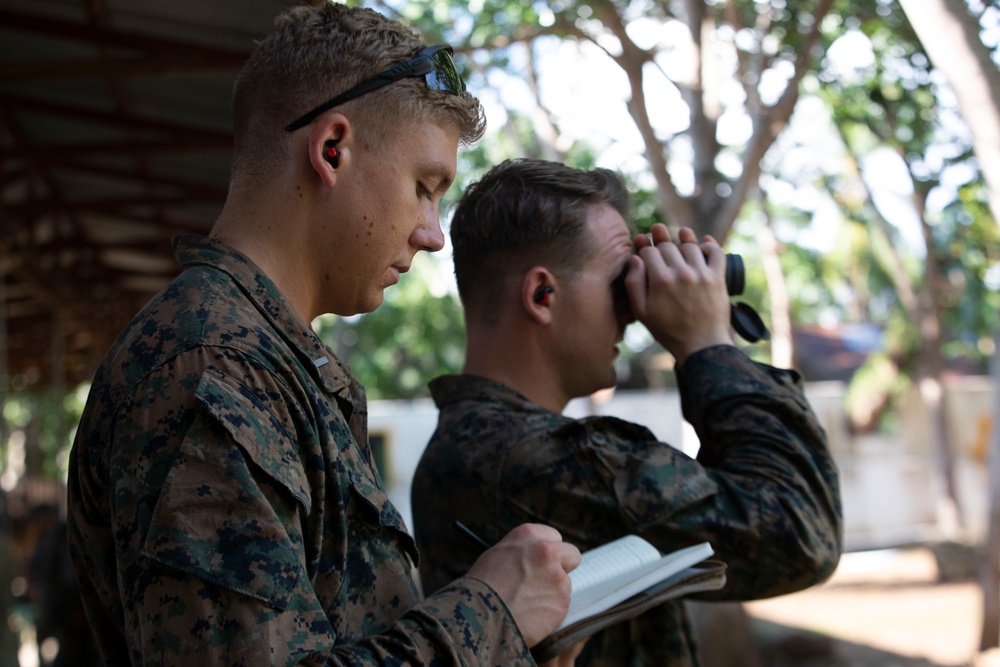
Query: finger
column 671, row 252
column 566, row 554
column 714, row 255
column 688, row 244
column 686, row 235
column 642, row 241
column 538, row 531
column 670, row 255
column 693, row 255
column 575, row 652
column 710, row 243
column 566, row 659
column 569, row 556
column 659, row 233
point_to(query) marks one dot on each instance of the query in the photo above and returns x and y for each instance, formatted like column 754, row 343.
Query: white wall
column 407, row 426
column 888, row 482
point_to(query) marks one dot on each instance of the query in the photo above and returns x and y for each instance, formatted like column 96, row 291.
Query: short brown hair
column 316, row 53
column 525, row 213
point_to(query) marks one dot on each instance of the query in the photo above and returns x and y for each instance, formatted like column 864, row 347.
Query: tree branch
column 632, row 60
column 768, row 125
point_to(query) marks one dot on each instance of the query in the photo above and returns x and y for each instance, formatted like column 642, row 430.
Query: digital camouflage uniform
column 763, row 489
column 224, row 509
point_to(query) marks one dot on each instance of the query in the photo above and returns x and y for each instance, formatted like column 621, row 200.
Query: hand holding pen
column 528, row 569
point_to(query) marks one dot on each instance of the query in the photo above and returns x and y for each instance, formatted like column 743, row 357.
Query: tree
column 951, row 35
column 895, row 107
column 731, row 70
column 697, row 49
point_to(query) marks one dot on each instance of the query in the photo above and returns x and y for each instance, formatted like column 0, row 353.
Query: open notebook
column 624, row 578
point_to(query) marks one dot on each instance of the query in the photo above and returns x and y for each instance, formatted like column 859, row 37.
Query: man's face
column 387, row 211
column 591, row 315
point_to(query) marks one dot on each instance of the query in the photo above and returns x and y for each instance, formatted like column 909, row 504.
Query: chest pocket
column 233, row 515
column 365, row 565
column 355, row 489
column 368, row 507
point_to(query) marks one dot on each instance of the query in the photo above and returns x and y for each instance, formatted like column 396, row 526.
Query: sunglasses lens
column 444, row 75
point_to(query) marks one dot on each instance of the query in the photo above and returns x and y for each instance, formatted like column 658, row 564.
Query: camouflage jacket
column 224, row 509
column 763, row 490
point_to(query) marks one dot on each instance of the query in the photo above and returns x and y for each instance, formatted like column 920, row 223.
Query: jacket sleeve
column 763, row 490
column 776, row 517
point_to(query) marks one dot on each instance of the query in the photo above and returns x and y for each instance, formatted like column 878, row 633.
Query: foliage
column 38, row 428
column 417, row 334
column 763, row 51
column 968, row 244
column 913, row 290
column 758, row 51
column 707, row 86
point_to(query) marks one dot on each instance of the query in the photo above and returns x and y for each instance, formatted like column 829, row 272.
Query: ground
column 880, row 609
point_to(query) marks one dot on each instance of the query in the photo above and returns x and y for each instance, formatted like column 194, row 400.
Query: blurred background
column 848, row 150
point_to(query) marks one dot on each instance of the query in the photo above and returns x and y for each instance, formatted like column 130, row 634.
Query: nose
column 428, row 235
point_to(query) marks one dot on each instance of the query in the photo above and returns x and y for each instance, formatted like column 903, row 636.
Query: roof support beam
column 109, row 37
column 80, row 112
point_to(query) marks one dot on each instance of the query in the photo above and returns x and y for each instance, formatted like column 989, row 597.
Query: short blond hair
column 316, row 53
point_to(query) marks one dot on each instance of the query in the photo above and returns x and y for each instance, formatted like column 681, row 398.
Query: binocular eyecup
column 744, row 319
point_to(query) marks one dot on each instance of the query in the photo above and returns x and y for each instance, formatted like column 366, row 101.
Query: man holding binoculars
column 549, row 277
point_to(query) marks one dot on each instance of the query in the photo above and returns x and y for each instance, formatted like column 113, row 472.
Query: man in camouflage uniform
column 224, row 507
column 540, row 250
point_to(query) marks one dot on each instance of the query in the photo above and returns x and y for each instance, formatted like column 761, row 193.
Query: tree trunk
column 782, row 345
column 546, row 134
column 989, row 578
column 930, row 373
column 951, row 37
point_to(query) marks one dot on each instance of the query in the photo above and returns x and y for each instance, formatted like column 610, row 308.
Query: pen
column 470, row 536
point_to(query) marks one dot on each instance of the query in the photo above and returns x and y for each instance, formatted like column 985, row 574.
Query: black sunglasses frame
column 434, row 63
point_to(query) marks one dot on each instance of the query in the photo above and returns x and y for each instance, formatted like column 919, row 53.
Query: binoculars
column 743, row 318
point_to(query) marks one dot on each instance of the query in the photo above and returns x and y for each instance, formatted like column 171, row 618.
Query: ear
column 330, row 127
column 534, row 283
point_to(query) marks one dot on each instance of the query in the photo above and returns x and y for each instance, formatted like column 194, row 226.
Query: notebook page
column 611, row 559
column 607, row 594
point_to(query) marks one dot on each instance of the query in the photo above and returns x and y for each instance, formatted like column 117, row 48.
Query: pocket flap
column 255, row 429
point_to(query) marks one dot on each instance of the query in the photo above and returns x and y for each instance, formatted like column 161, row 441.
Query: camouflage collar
column 448, row 389
column 195, row 249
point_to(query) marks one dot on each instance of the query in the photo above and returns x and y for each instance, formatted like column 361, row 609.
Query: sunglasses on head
column 434, row 63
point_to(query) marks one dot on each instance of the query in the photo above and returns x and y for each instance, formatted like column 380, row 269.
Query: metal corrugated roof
column 114, row 137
